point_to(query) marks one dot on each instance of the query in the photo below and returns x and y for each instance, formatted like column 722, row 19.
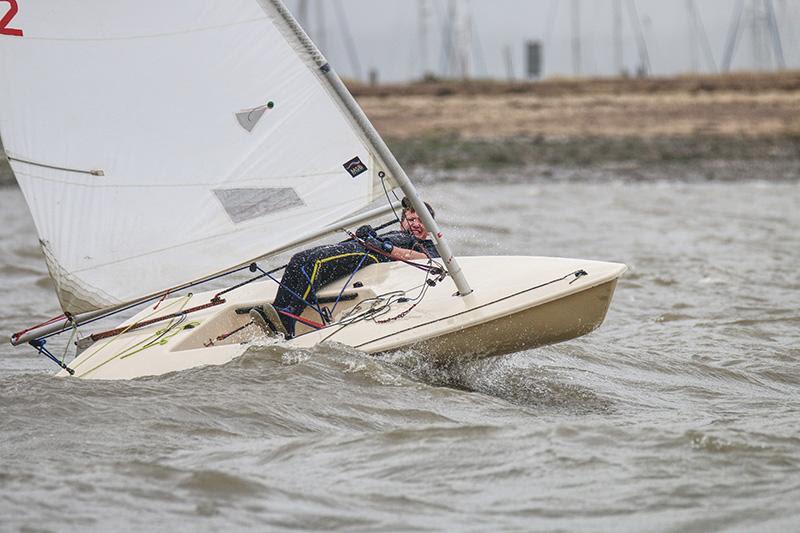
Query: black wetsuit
column 310, row 270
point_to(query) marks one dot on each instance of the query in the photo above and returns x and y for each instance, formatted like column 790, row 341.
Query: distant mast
column 576, row 38
column 349, row 42
column 424, row 32
column 643, row 69
column 459, row 40
column 321, row 35
column 694, row 61
column 698, row 38
column 509, row 62
column 617, row 29
column 302, row 13
column 759, row 16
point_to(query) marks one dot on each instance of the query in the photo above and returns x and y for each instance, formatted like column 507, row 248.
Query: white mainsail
column 157, row 146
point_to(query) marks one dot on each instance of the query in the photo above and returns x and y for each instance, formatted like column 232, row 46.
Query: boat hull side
column 549, row 323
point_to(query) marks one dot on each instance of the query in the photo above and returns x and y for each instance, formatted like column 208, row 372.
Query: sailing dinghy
column 159, row 150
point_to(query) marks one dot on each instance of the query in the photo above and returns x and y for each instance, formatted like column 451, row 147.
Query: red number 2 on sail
column 12, row 11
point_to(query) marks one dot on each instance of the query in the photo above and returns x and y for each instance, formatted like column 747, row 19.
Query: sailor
column 310, row 270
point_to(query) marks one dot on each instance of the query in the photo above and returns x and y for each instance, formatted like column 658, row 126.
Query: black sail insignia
column 355, row 167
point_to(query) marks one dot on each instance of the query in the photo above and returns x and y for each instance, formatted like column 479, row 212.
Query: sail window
column 246, row 204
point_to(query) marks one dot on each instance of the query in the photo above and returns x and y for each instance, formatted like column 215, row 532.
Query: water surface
column 681, row 413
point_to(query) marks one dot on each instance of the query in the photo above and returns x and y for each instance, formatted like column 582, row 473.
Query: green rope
column 185, row 300
column 161, row 338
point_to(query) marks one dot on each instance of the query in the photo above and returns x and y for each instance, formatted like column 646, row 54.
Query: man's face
column 412, row 223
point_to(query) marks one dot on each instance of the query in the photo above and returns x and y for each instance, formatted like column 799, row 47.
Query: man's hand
column 378, row 244
column 365, row 232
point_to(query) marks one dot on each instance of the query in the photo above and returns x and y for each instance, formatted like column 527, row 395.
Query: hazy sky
column 386, row 34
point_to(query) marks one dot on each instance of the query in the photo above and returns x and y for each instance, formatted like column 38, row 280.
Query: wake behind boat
column 157, row 154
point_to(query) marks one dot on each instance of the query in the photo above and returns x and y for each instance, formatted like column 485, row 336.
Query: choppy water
column 681, row 413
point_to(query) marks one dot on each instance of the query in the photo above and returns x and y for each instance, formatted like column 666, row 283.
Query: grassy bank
column 739, row 82
column 450, row 152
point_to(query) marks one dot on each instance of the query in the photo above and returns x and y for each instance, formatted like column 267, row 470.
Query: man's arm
column 392, row 244
column 404, row 254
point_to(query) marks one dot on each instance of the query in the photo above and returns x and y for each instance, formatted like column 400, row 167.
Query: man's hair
column 408, row 207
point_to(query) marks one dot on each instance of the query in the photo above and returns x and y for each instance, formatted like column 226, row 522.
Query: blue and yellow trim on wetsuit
column 318, row 264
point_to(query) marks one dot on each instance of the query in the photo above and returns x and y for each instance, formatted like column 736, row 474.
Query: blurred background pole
column 576, row 38
column 424, row 31
column 643, row 70
column 617, row 37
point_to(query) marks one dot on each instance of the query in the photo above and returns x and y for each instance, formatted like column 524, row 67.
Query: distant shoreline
column 702, row 124
column 750, row 82
column 739, row 126
column 633, row 158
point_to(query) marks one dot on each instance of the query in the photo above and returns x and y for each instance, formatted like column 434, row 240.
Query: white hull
column 518, row 303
